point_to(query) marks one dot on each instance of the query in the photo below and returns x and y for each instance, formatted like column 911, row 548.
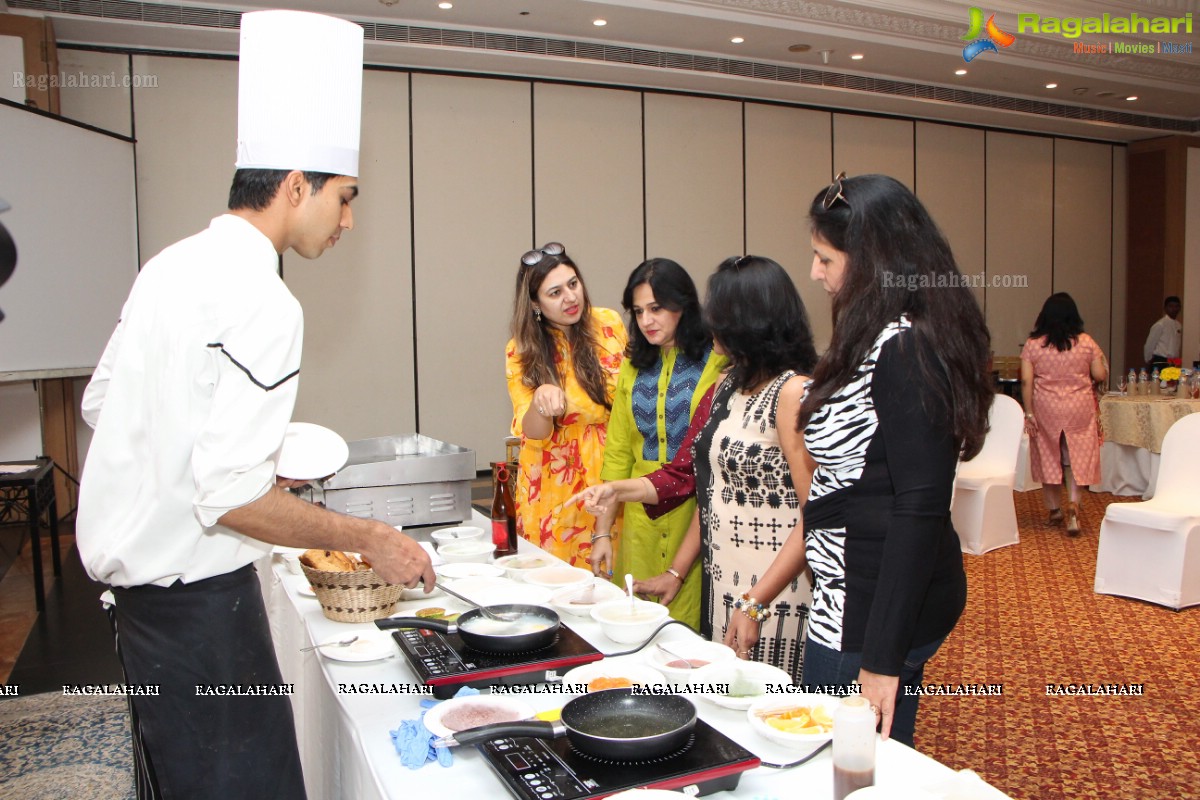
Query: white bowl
column 458, row 552
column 748, row 680
column 556, row 576
column 518, row 566
column 700, row 651
column 780, row 702
column 616, row 668
column 576, row 601
column 463, row 533
column 498, row 591
column 624, row 627
column 468, row 569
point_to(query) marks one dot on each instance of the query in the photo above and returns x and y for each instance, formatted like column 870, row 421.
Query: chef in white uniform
column 190, row 403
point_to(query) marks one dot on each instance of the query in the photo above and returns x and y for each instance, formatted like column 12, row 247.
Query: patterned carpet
column 1032, row 619
column 54, row 747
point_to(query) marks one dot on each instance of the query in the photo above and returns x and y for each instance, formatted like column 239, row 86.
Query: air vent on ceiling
column 485, row 40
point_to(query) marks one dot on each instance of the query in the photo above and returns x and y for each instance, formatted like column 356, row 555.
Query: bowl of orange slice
column 801, row 720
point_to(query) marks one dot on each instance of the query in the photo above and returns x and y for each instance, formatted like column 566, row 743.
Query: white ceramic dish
column 468, row 569
column 310, row 452
column 512, row 709
column 779, row 702
column 496, row 591
column 462, row 533
column 469, row 551
column 370, row 646
column 305, row 590
column 624, row 626
column 570, row 600
column 693, row 650
column 748, row 679
column 556, row 576
column 518, row 566
column 418, row 593
column 627, row 668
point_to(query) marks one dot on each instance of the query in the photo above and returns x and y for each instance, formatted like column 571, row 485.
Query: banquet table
column 1133, row 427
column 347, row 751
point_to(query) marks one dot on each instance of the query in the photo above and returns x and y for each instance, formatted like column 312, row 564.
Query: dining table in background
column 1133, row 427
column 346, row 748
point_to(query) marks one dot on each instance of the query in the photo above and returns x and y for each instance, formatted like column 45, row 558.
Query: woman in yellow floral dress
column 561, row 365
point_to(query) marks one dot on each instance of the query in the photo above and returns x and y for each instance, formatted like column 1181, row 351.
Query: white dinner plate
column 310, row 452
column 371, row 646
column 623, row 667
column 740, row 674
column 514, row 708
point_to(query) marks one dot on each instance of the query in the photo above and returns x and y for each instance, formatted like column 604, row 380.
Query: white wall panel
column 101, row 96
column 865, row 145
column 587, row 170
column 1082, row 208
column 694, row 211
column 1020, row 234
column 473, row 213
column 358, row 376
column 949, row 181
column 787, row 163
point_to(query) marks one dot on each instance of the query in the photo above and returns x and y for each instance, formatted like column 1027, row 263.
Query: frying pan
column 488, row 642
column 612, row 723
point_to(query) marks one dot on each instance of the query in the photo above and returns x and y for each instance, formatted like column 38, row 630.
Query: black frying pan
column 488, row 642
column 612, row 723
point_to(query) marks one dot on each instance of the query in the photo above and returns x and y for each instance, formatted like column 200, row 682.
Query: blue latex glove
column 414, row 742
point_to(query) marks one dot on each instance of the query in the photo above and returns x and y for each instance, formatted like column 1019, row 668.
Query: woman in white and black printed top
column 900, row 395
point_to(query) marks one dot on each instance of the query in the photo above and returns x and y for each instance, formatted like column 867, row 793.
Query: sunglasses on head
column 534, row 257
column 834, row 192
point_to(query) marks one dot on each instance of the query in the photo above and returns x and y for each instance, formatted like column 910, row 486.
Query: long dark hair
column 756, row 314
column 535, row 345
column 674, row 290
column 898, row 262
column 1059, row 322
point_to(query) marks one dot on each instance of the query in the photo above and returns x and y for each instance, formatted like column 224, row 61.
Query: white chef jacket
column 190, row 403
column 1165, row 339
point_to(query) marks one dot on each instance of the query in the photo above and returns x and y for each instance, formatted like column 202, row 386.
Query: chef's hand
column 664, row 587
column 595, row 499
column 880, row 691
column 398, row 559
column 742, row 634
column 602, row 557
column 550, row 401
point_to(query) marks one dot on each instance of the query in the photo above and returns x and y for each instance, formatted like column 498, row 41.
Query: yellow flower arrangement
column 1169, row 374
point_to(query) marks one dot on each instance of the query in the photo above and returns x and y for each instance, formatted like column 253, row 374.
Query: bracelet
column 674, row 574
column 597, row 536
column 752, row 608
column 1029, row 415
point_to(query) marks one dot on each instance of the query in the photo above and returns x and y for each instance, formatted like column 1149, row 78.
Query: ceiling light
column 737, row 40
column 599, row 23
column 799, row 48
column 1051, row 85
column 960, row 72
column 1132, row 97
column 856, row 56
column 446, row 6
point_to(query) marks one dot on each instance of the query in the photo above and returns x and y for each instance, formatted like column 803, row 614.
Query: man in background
column 1166, row 336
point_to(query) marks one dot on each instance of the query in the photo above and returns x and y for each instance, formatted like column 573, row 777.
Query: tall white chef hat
column 299, row 92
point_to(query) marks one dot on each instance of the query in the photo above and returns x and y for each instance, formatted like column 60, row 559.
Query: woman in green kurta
column 669, row 366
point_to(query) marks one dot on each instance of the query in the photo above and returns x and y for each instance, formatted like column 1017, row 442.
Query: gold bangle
column 674, row 574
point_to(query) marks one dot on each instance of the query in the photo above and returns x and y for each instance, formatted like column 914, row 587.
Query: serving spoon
column 499, row 616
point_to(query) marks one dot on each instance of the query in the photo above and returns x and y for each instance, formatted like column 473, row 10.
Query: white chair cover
column 1151, row 550
column 982, row 510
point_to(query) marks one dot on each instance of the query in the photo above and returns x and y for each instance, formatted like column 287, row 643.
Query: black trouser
column 192, row 742
column 1157, row 361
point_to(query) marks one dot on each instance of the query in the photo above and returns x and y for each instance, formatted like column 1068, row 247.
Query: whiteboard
column 74, row 221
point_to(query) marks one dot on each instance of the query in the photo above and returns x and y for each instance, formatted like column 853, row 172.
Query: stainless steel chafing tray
column 407, row 479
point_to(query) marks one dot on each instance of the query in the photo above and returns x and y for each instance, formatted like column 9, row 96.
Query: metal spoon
column 499, row 616
column 672, row 653
column 342, row 643
column 629, row 589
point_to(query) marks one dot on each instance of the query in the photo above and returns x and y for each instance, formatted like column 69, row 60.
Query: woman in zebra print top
column 901, row 394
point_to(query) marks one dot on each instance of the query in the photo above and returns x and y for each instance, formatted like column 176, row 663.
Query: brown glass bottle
column 504, row 512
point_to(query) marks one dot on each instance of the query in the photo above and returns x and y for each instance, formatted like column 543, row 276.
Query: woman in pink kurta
column 1059, row 364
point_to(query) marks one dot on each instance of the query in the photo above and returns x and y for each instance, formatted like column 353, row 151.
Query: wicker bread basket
column 359, row 596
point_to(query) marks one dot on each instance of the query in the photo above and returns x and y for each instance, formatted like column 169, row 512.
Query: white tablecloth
column 347, row 751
